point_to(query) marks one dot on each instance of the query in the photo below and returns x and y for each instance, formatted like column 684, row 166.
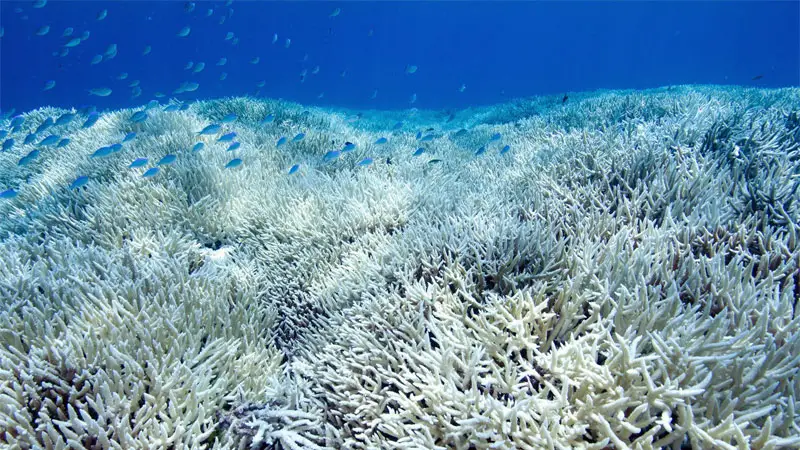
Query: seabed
column 625, row 274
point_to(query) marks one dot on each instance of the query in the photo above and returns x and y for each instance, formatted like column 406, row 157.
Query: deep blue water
column 499, row 50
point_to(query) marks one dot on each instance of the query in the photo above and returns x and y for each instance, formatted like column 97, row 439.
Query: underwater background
column 399, row 225
column 499, row 50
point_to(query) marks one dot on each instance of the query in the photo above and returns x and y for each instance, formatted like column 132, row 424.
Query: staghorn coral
column 626, row 277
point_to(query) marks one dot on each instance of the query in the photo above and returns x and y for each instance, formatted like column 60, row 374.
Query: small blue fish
column 138, row 162
column 29, row 139
column 167, row 159
column 294, row 169
column 49, row 84
column 65, row 119
column 8, row 144
column 227, row 137
column 269, row 119
column 426, row 138
column 199, row 146
column 115, row 147
column 129, row 137
column 184, row 31
column 172, row 108
column 234, row 146
column 139, row 116
column 480, row 151
column 102, row 14
column 50, row 140
column 229, row 118
column 461, row 132
column 27, row 159
column 100, row 92
column 39, row 4
column 122, row 76
column 151, row 172
column 102, row 152
column 236, row 162
column 91, row 120
column 74, row 42
column 381, row 141
column 365, row 162
column 79, row 182
column 47, row 123
column 349, row 147
column 299, row 137
column 505, row 149
column 17, row 121
column 331, row 155
column 86, row 109
column 151, row 104
column 419, row 135
column 210, row 129
column 96, row 59
column 281, row 141
column 419, row 151
column 495, row 137
column 184, row 107
column 8, row 193
column 43, row 30
column 397, row 126
column 63, row 143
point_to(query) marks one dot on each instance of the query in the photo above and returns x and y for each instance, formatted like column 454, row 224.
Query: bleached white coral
column 625, row 276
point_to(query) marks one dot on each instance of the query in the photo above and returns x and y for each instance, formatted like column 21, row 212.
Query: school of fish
column 53, row 133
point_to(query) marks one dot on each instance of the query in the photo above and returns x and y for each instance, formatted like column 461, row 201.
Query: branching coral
column 627, row 276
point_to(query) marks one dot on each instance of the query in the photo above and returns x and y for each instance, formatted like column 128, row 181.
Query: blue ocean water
column 466, row 53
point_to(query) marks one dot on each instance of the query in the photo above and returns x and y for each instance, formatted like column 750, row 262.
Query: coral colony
column 619, row 271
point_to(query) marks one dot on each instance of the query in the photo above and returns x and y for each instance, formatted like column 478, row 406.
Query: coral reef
column 627, row 276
